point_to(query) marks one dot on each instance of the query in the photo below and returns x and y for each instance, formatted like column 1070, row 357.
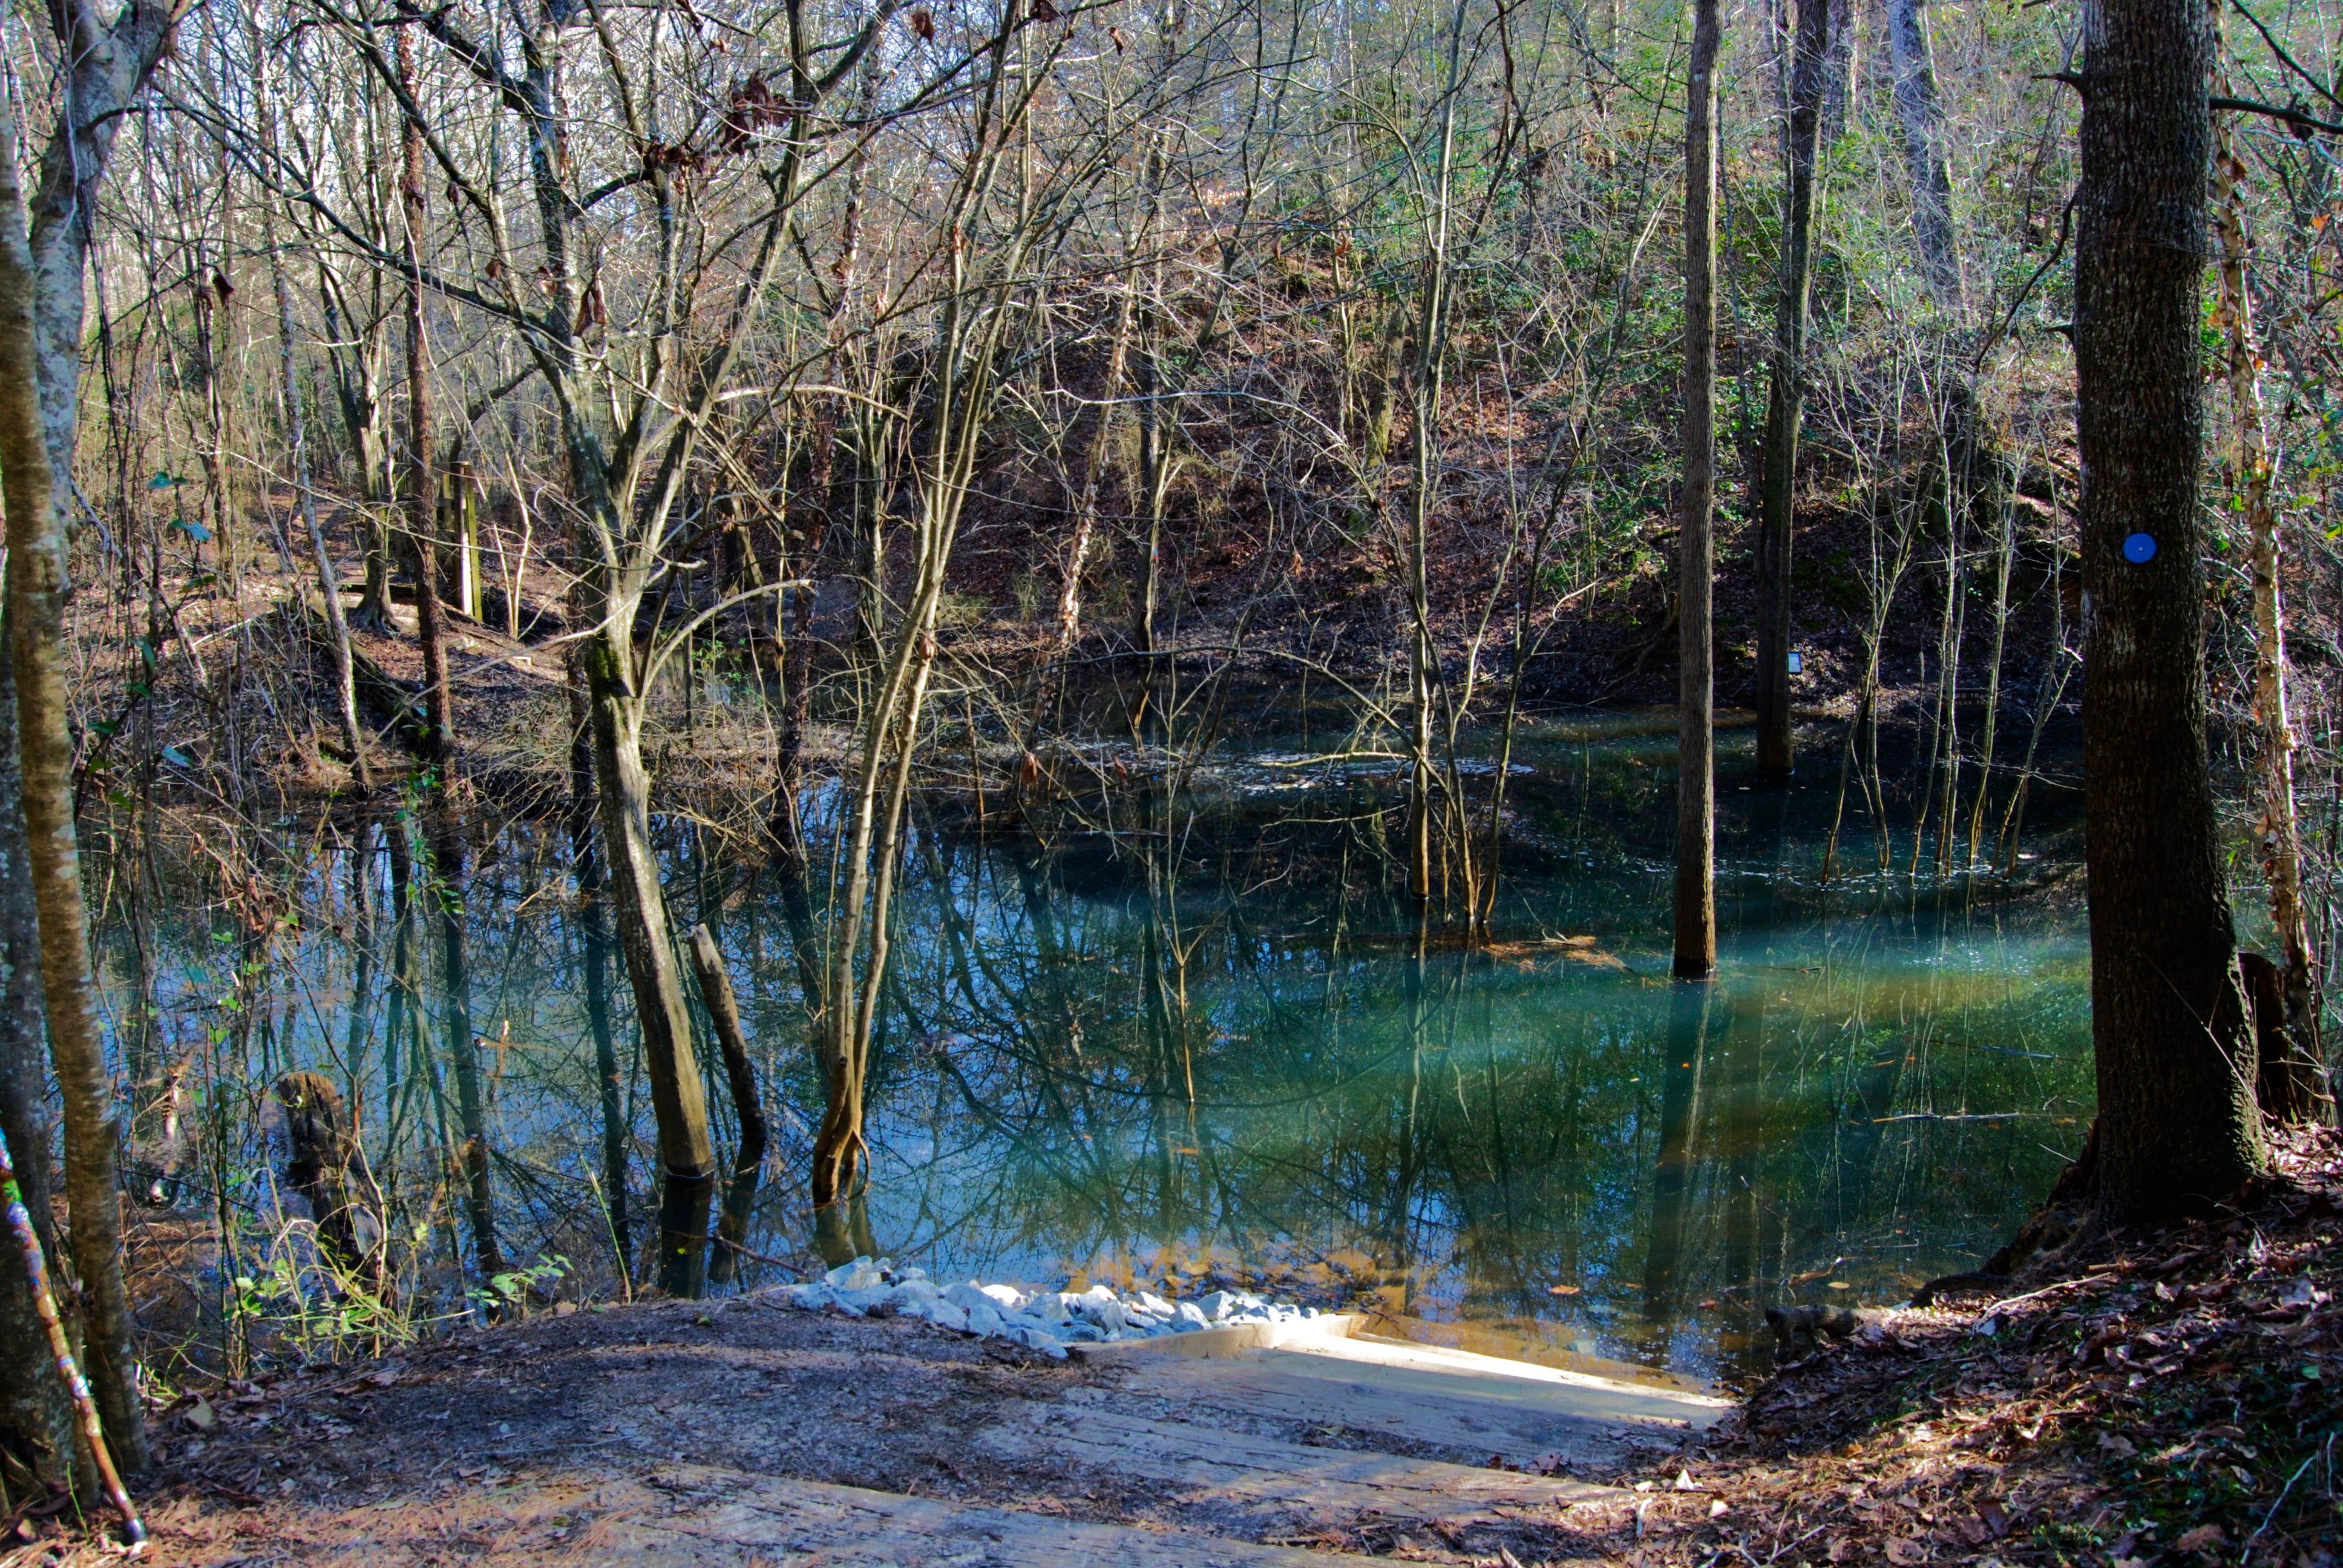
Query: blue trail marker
column 2140, row 548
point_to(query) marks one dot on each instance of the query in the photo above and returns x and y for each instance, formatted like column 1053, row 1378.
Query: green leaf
column 194, row 531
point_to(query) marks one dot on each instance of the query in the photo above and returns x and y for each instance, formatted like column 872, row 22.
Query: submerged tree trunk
column 679, row 1102
column 1786, row 398
column 1696, row 888
column 455, row 980
column 741, row 1077
column 2292, row 1091
column 594, row 940
column 2176, row 1118
column 37, row 577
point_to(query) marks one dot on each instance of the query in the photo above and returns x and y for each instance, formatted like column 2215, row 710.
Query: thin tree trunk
column 37, row 577
column 1086, row 503
column 1696, row 889
column 422, row 491
column 329, row 576
column 2292, row 1091
column 2177, row 1122
column 1922, row 114
column 1787, row 398
column 1424, row 500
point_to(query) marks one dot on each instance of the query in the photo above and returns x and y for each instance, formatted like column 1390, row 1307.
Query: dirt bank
column 2165, row 1396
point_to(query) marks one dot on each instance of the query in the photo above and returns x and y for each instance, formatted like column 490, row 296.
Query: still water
column 1195, row 1028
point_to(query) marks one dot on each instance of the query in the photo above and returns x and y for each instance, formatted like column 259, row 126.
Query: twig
column 2282, row 1492
column 2292, row 116
column 28, row 1242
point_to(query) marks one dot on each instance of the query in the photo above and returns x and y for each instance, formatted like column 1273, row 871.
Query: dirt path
column 743, row 1432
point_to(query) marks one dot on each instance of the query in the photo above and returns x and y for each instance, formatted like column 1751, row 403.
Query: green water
column 1199, row 1027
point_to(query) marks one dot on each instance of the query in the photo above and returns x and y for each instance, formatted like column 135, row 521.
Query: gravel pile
column 1044, row 1321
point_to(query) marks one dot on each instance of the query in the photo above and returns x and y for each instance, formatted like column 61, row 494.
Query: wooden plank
column 774, row 1519
column 1269, row 1479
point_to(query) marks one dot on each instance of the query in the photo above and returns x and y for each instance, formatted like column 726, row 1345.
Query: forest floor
column 2164, row 1396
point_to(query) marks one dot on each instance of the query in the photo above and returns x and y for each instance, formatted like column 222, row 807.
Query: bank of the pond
column 2145, row 1397
column 2152, row 1396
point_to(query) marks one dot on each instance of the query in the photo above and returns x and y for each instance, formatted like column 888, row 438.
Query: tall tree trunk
column 36, row 636
column 2293, row 1092
column 1424, row 386
column 422, row 489
column 1695, row 894
column 1786, row 399
column 1839, row 71
column 1922, row 114
column 2177, row 1126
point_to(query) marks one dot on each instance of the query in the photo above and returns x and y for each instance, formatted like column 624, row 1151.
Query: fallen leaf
column 1685, row 1482
column 2198, row 1538
column 200, row 1414
column 1562, row 1290
column 2121, row 1447
column 1904, row 1552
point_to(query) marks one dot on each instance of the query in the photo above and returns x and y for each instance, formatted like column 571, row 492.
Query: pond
column 1194, row 1030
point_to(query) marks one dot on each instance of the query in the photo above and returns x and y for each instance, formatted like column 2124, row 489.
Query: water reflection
column 1192, row 1030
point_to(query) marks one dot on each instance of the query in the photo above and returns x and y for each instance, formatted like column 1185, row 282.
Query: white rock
column 1035, row 1340
column 1109, row 1315
column 908, row 1296
column 968, row 1296
column 944, row 1315
column 1153, row 1304
column 1051, row 1306
column 1189, row 1316
column 861, row 1274
column 984, row 1319
column 1217, row 1305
